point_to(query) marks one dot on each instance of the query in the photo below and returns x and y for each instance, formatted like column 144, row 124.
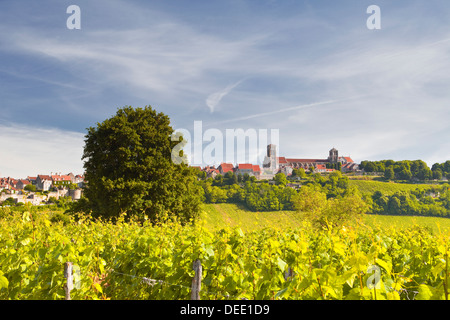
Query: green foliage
column 389, row 173
column 328, row 213
column 299, row 173
column 434, row 201
column 256, row 196
column 399, row 170
column 112, row 259
column 9, row 202
column 129, row 168
column 30, row 187
column 280, row 179
column 441, row 170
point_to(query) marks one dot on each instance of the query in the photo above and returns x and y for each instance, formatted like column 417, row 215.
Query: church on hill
column 274, row 164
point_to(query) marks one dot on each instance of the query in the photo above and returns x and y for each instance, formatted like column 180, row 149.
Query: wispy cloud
column 30, row 150
column 214, row 99
column 300, row 61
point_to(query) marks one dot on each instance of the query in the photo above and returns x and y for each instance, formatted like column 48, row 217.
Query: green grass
column 387, row 188
column 217, row 216
column 436, row 224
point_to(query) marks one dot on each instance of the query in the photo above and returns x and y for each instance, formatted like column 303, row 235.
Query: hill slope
column 218, row 216
column 387, row 188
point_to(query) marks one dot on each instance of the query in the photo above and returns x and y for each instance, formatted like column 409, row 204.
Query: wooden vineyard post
column 288, row 274
column 68, row 286
column 196, row 281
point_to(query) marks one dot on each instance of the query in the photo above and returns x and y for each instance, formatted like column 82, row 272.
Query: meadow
column 216, row 216
column 387, row 188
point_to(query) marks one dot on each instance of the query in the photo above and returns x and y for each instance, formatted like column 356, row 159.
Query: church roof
column 306, row 160
column 348, row 159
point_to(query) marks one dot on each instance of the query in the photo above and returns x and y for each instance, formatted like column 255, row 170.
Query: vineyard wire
column 152, row 282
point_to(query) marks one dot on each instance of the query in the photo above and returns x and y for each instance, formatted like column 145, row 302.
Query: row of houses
column 57, row 185
column 36, row 199
column 223, row 168
column 42, row 182
column 273, row 164
column 255, row 170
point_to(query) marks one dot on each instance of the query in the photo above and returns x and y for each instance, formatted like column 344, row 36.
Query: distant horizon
column 202, row 166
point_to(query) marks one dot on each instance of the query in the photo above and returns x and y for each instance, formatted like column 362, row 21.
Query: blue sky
column 311, row 69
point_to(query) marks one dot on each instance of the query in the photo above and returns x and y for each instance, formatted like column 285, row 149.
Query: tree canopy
column 129, row 168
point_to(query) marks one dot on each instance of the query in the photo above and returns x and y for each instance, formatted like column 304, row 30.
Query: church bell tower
column 333, row 157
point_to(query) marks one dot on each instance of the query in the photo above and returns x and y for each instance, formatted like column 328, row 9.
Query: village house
column 61, row 180
column 43, row 182
column 250, row 169
column 32, row 180
column 211, row 171
column 14, row 188
column 225, row 167
column 22, row 183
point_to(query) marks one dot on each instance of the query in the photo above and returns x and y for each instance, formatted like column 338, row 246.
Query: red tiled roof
column 244, row 166
column 61, row 178
column 226, row 167
column 348, row 159
column 256, row 168
column 306, row 160
column 321, row 166
column 281, row 160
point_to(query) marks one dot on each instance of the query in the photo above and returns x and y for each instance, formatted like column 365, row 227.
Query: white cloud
column 292, row 62
column 28, row 151
column 214, row 99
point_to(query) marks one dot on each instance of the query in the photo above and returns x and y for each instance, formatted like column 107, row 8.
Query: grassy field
column 387, row 188
column 436, row 224
column 217, row 216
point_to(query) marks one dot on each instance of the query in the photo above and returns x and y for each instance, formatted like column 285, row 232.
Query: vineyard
column 113, row 260
column 387, row 188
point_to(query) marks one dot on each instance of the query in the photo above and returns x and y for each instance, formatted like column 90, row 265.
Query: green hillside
column 217, row 216
column 387, row 188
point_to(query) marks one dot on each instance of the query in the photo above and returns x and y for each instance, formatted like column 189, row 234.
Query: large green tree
column 129, row 168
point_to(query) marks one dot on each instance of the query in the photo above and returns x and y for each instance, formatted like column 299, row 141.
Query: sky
column 310, row 70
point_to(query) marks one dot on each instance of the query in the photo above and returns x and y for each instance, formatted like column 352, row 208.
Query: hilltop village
column 273, row 164
column 40, row 189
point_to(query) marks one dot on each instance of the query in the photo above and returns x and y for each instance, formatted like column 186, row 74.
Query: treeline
column 399, row 170
column 276, row 195
column 432, row 202
column 265, row 196
column 441, row 170
column 255, row 196
column 407, row 169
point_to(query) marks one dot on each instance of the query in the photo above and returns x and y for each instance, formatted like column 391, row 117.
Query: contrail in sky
column 213, row 99
column 303, row 106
